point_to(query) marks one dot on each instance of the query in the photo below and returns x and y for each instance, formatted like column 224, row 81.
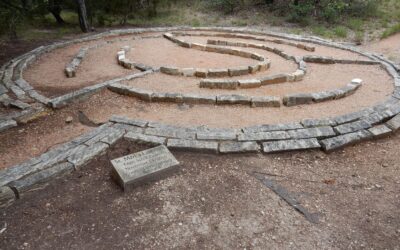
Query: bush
column 363, row 8
column 301, row 13
column 9, row 21
column 226, row 6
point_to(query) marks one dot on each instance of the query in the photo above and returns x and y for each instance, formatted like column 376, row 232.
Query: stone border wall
column 204, row 73
column 151, row 96
column 13, row 90
column 235, row 99
column 70, row 69
column 309, row 98
column 327, row 134
column 127, row 64
column 331, row 60
column 242, row 36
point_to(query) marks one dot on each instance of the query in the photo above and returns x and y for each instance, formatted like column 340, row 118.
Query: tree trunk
column 83, row 21
column 55, row 9
column 26, row 4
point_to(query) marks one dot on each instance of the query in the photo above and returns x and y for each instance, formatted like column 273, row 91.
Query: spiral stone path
column 236, row 82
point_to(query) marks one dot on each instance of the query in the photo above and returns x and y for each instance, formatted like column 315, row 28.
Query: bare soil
column 216, row 202
column 390, row 47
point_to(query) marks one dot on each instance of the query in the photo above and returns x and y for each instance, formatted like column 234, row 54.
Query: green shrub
column 363, row 8
column 301, row 13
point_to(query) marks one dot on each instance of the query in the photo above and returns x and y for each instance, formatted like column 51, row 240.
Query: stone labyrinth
column 238, row 90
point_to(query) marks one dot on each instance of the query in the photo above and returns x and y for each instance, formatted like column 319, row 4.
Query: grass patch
column 356, row 24
column 31, row 33
column 340, row 31
column 391, row 31
column 239, row 22
column 320, row 31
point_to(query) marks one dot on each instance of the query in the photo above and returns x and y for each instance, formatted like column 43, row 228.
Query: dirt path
column 390, row 47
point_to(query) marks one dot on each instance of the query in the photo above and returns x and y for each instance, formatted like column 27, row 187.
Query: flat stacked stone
column 217, row 135
column 319, row 59
column 290, row 145
column 272, row 127
column 265, row 101
column 218, row 73
column 84, row 156
column 180, row 133
column 233, row 99
column 394, row 123
column 206, row 146
column 134, row 122
column 319, row 132
column 341, row 141
column 297, row 99
column 352, row 127
column 308, row 123
column 171, row 71
column 351, row 117
column 6, row 124
column 280, row 78
column 145, row 139
column 167, row 97
column 219, row 84
column 199, row 99
column 249, row 83
column 239, row 71
column 30, row 182
column 238, row 147
column 264, row 136
column 380, row 131
column 70, row 69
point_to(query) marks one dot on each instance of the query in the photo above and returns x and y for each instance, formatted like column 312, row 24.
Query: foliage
column 226, row 6
column 391, row 31
column 325, row 17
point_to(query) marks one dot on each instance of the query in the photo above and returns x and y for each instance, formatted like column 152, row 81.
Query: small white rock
column 356, row 81
column 69, row 119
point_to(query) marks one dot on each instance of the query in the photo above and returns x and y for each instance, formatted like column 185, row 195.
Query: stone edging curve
column 204, row 73
column 328, row 133
column 23, row 90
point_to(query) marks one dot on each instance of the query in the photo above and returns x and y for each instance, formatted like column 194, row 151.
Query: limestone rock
column 290, row 145
column 238, row 147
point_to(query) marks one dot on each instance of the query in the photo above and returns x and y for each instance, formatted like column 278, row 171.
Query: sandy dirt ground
column 213, row 201
column 390, row 47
